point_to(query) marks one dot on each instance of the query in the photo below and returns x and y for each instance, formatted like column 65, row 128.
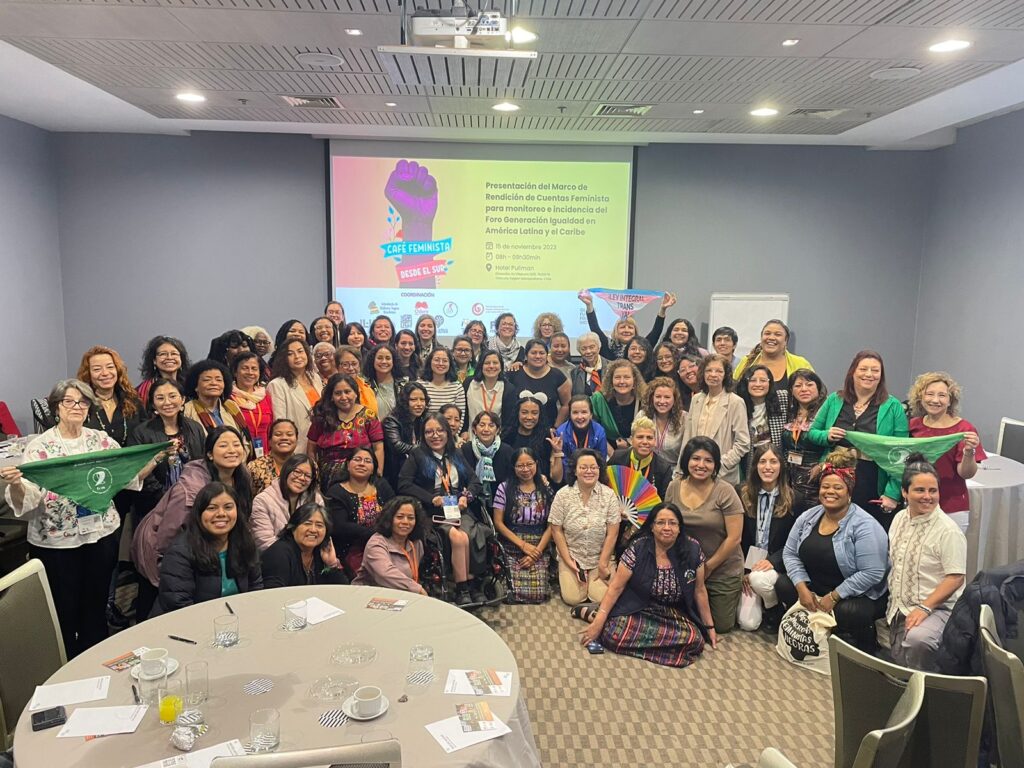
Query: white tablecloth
column 293, row 661
column 995, row 534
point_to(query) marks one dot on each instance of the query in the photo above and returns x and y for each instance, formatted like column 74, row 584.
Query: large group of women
column 334, row 453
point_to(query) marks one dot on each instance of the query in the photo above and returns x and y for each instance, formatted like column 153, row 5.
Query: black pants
column 79, row 581
column 146, row 599
column 855, row 616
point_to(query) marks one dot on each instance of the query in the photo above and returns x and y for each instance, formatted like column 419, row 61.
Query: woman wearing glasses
column 163, row 358
column 656, row 607
column 272, row 508
column 77, row 546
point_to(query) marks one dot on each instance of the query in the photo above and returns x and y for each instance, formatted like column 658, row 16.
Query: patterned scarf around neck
column 485, row 461
column 509, row 352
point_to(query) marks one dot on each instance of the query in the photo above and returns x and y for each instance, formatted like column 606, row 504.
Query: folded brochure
column 479, row 682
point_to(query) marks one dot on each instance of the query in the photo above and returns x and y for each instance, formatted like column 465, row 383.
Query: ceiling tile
column 698, row 38
column 80, row 21
column 283, row 28
column 889, row 42
column 776, row 11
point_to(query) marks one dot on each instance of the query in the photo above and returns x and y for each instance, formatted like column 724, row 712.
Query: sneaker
column 476, row 592
column 462, row 597
column 115, row 618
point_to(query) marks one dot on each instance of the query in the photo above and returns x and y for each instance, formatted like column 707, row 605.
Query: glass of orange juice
column 171, row 701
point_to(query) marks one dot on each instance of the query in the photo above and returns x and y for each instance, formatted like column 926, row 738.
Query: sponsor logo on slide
column 478, row 309
column 374, row 309
column 421, row 307
column 451, row 309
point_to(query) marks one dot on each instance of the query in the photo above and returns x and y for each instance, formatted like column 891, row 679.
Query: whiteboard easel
column 746, row 313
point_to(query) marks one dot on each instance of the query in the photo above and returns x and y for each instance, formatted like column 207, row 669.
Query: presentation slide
column 465, row 239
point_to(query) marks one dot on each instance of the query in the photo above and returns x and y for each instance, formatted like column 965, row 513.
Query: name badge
column 257, row 446
column 88, row 521
column 795, row 458
column 451, row 508
column 754, row 556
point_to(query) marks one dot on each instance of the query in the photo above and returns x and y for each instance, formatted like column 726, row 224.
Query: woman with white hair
column 586, row 377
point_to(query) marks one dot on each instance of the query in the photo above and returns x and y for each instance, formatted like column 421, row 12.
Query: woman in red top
column 340, row 425
column 935, row 405
column 256, row 408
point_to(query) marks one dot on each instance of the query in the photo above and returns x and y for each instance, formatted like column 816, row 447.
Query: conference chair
column 1011, row 439
column 865, row 690
column 885, row 747
column 32, row 647
column 375, row 754
column 1005, row 674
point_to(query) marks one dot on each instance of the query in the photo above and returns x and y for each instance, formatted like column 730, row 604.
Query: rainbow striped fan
column 636, row 494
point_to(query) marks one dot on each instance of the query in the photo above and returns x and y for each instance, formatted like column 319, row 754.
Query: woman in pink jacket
column 273, row 506
column 394, row 554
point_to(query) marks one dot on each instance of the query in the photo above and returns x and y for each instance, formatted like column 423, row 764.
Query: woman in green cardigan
column 864, row 405
column 616, row 404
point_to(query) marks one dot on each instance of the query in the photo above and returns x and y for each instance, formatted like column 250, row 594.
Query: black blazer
column 660, row 474
column 399, row 440
column 152, row 431
column 502, row 462
column 778, row 532
column 183, row 584
column 282, row 566
column 343, row 509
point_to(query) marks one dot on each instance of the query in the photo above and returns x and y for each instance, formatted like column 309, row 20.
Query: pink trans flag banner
column 624, row 303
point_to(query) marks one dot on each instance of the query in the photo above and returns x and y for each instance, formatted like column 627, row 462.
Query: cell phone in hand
column 595, row 647
column 581, row 573
column 49, row 718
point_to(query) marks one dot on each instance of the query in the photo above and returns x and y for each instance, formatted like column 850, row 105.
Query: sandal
column 585, row 611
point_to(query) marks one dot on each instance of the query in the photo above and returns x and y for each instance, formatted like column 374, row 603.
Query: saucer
column 348, row 707
column 172, row 667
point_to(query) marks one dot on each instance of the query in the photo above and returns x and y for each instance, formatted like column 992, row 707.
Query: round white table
column 293, row 661
column 995, row 533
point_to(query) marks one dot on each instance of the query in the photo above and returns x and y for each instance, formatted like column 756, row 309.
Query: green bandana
column 91, row 479
column 890, row 453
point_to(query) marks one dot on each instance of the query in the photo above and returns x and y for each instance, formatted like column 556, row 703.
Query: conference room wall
column 32, row 349
column 969, row 315
column 838, row 229
column 188, row 236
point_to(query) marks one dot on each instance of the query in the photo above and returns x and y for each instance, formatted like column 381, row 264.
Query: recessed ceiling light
column 946, row 46
column 390, row 104
column 506, row 106
column 519, row 36
column 791, row 42
column 319, row 59
column 354, row 32
column 764, row 112
column 193, row 98
column 895, row 73
column 698, row 111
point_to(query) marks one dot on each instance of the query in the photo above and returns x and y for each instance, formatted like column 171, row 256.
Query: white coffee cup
column 368, row 701
column 153, row 661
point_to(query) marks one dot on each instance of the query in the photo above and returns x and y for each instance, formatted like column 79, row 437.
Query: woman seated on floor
column 393, row 554
column 656, row 607
column 299, row 556
column 584, row 522
column 836, row 556
column 215, row 556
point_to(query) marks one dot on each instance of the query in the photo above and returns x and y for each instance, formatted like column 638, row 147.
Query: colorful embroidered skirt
column 529, row 584
column 658, row 634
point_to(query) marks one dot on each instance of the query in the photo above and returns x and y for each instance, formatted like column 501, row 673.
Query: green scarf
column 890, row 453
column 91, row 479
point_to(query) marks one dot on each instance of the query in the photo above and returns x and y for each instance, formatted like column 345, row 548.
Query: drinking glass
column 171, row 701
column 295, row 616
column 150, row 685
column 421, row 667
column 264, row 730
column 225, row 631
column 197, row 682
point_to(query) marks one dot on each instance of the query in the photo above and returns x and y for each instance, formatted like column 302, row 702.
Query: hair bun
column 916, row 458
column 843, row 458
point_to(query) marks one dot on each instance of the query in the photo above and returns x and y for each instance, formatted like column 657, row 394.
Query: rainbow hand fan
column 636, row 494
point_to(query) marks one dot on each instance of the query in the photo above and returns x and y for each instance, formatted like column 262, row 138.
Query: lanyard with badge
column 449, row 501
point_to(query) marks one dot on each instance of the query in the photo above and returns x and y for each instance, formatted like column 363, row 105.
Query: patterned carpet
column 611, row 710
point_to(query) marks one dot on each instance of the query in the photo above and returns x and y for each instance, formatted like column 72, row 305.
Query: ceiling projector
column 459, row 27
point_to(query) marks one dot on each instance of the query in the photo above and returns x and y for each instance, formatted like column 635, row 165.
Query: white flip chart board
column 746, row 313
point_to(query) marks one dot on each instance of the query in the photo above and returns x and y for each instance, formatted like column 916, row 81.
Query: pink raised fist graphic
column 413, row 192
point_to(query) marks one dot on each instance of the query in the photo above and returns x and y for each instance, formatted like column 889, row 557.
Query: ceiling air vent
column 824, row 114
column 622, row 110
column 313, row 102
